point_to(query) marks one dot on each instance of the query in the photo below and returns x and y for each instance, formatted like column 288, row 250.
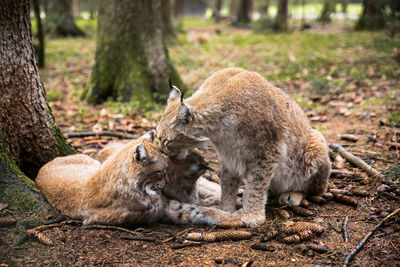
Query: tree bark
column 234, row 10
column 217, row 10
column 26, row 123
column 327, row 10
column 60, row 19
column 245, row 11
column 168, row 28
column 29, row 136
column 40, row 35
column 281, row 19
column 179, row 8
column 265, row 8
column 372, row 17
column 131, row 62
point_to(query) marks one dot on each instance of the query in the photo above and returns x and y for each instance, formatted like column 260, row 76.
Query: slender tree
column 372, row 17
column 168, row 27
column 217, row 10
column 40, row 47
column 327, row 10
column 29, row 136
column 281, row 19
column 245, row 11
column 131, row 62
column 60, row 19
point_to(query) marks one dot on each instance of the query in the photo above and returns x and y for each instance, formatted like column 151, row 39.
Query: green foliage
column 393, row 117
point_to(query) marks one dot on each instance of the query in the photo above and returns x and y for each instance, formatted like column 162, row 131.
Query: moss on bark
column 17, row 190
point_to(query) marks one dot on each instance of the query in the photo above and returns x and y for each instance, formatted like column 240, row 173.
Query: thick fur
column 185, row 181
column 261, row 135
column 126, row 189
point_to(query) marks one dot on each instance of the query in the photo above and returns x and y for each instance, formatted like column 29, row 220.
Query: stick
column 109, row 227
column 360, row 245
column 333, row 227
column 105, row 133
column 360, row 163
column 344, row 229
column 191, row 244
column 139, row 238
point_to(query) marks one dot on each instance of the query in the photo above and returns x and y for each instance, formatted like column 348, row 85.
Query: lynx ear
column 141, row 154
column 184, row 116
column 149, row 136
column 174, row 93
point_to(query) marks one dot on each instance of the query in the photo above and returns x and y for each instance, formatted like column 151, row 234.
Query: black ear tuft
column 182, row 95
column 149, row 136
column 174, row 94
column 170, row 83
column 184, row 115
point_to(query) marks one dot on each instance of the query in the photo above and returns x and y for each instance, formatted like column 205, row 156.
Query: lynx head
column 146, row 164
column 176, row 129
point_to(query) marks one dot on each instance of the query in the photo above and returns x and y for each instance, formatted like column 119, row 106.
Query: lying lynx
column 261, row 135
column 185, row 181
column 126, row 189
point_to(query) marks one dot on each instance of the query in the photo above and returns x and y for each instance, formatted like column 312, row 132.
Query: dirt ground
column 75, row 245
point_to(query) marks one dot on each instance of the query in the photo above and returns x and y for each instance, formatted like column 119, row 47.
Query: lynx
column 262, row 138
column 126, row 189
column 186, row 183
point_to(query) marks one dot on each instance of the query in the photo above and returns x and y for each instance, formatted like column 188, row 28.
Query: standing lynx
column 126, row 189
column 261, row 135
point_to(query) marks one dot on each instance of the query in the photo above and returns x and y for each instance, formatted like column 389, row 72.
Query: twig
column 360, row 163
column 139, row 238
column 109, row 227
column 188, row 244
column 344, row 229
column 360, row 245
column 333, row 227
column 104, row 133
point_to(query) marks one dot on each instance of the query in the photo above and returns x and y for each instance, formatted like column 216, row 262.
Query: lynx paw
column 251, row 220
column 292, row 199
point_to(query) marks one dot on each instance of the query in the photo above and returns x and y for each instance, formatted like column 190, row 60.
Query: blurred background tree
column 132, row 62
column 60, row 19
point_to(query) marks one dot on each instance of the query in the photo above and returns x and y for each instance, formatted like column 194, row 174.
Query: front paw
column 252, row 220
column 292, row 199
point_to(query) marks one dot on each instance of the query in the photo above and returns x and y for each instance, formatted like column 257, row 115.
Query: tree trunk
column 26, row 123
column 372, row 16
column 245, row 11
column 344, row 4
column 234, row 10
column 281, row 19
column 132, row 62
column 179, row 8
column 217, row 10
column 29, row 136
column 40, row 35
column 327, row 10
column 60, row 19
column 168, row 28
column 265, row 8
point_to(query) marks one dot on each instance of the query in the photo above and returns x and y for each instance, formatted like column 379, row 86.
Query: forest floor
column 347, row 82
